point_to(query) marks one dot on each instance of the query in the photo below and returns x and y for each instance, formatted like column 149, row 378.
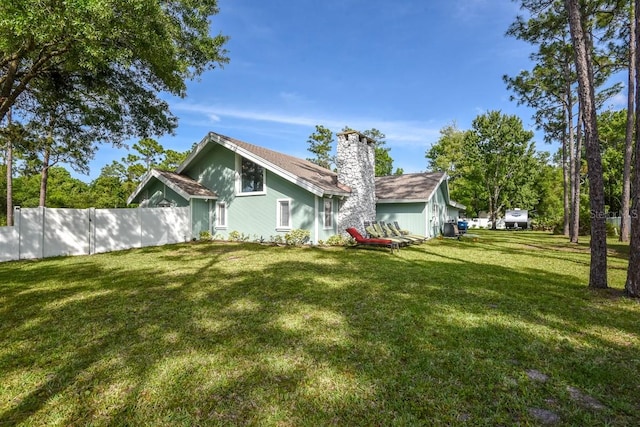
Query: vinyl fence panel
column 162, row 226
column 116, row 229
column 43, row 232
column 66, row 232
column 30, row 227
column 9, row 244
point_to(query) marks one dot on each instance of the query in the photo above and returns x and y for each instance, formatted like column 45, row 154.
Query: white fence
column 45, row 232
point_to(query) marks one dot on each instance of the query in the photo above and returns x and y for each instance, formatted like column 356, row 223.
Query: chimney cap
column 361, row 136
column 348, row 131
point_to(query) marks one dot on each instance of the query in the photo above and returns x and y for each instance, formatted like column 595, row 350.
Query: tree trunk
column 576, row 181
column 9, row 174
column 632, row 286
column 628, row 137
column 492, row 212
column 44, row 177
column 568, row 153
column 573, row 218
column 566, row 187
column 582, row 50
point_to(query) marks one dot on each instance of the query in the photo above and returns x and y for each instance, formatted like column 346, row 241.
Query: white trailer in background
column 516, row 219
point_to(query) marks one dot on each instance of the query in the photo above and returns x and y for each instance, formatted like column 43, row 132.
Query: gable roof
column 316, row 179
column 412, row 187
column 181, row 184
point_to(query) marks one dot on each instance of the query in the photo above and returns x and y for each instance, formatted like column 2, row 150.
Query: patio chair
column 376, row 232
column 363, row 241
column 402, row 240
column 391, row 231
column 408, row 233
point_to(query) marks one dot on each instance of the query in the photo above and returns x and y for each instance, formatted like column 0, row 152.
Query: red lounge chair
column 371, row 242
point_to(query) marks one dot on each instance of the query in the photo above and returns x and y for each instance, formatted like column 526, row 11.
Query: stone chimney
column 356, row 168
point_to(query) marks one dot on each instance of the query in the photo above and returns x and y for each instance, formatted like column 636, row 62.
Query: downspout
column 191, row 218
column 315, row 221
column 336, row 216
column 210, row 216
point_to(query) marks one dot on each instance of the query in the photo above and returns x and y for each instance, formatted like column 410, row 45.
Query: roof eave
column 212, row 197
column 193, row 153
column 382, row 201
column 155, row 174
column 442, row 178
column 336, row 193
column 457, row 205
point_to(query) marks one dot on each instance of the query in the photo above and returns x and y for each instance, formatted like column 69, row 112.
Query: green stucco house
column 231, row 185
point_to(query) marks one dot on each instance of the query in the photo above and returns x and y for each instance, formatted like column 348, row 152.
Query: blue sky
column 407, row 68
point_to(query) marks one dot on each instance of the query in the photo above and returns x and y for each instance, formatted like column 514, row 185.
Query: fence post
column 17, row 221
column 42, row 210
column 91, row 213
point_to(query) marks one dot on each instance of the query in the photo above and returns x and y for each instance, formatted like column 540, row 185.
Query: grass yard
column 501, row 331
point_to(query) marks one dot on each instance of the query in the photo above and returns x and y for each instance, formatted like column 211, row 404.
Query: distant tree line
column 110, row 189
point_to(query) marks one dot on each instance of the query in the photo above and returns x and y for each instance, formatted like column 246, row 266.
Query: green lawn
column 494, row 332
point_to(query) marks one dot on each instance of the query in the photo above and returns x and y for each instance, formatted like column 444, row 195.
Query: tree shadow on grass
column 246, row 334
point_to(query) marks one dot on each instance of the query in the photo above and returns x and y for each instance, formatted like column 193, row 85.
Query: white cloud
column 230, row 112
column 619, row 100
column 399, row 133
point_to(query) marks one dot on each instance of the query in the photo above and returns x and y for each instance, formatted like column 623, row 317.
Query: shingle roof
column 188, row 185
column 412, row 186
column 181, row 184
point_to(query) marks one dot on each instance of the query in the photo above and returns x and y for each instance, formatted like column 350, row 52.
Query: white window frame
column 324, row 214
column 239, row 191
column 279, row 225
column 221, row 207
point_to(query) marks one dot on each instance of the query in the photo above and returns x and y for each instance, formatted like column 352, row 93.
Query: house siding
column 200, row 216
column 216, row 171
column 453, row 212
column 410, row 216
column 157, row 191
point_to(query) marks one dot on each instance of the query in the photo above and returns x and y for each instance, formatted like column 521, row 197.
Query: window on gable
column 251, row 177
column 221, row 215
column 284, row 214
column 328, row 213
